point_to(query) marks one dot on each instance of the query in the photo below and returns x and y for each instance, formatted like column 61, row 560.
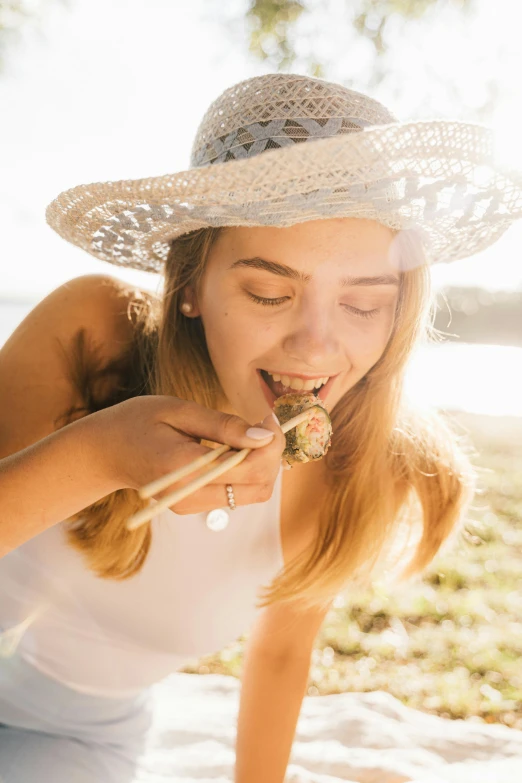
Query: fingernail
column 267, row 421
column 258, row 433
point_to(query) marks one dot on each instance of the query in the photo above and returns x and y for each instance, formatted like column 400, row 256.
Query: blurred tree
column 17, row 15
column 374, row 15
column 271, row 23
column 317, row 37
column 11, row 18
column 377, row 42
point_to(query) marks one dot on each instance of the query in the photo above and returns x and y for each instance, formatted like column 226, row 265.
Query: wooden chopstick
column 146, row 514
column 165, row 481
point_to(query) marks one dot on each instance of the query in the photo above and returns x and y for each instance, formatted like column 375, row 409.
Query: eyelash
column 273, row 302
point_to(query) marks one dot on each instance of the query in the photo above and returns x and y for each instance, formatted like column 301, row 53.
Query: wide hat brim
column 437, row 177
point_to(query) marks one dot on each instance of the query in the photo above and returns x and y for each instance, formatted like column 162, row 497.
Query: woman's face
column 314, row 300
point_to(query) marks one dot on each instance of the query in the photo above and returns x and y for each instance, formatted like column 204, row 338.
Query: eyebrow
column 287, row 271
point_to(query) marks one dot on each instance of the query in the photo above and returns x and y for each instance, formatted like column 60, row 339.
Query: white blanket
column 342, row 738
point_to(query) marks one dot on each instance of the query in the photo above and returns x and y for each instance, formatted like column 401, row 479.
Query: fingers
column 200, row 422
column 262, row 465
column 278, row 443
column 258, row 469
column 215, row 496
column 253, row 479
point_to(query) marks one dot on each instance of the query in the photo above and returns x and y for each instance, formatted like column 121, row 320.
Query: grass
column 449, row 643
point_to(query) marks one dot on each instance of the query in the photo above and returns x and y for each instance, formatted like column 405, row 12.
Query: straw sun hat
column 281, row 149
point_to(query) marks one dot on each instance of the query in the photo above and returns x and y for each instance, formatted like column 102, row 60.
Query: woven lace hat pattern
column 280, row 149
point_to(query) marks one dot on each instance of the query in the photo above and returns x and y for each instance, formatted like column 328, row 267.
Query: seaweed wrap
column 310, row 439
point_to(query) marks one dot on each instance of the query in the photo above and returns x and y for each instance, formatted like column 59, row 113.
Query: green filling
column 311, row 439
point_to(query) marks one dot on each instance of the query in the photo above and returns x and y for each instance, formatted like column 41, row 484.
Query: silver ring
column 230, row 497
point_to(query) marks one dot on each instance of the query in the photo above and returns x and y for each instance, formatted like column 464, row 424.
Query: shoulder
column 36, row 385
column 99, row 309
column 107, row 318
column 99, row 303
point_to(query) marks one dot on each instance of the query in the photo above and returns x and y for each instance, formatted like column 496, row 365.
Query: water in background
column 468, row 376
column 456, row 376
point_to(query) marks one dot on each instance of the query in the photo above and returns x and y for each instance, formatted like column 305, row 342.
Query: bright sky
column 116, row 90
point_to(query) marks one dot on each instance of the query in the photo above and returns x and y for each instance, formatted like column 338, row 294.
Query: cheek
column 232, row 339
column 220, row 332
column 367, row 345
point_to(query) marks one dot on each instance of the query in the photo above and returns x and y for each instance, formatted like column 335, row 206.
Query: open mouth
column 273, row 389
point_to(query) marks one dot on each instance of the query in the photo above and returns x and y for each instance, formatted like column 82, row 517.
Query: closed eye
column 362, row 313
column 263, row 301
column 273, row 302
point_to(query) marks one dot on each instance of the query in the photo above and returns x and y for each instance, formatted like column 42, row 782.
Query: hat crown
column 279, row 110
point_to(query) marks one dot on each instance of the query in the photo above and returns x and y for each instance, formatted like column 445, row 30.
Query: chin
column 251, row 411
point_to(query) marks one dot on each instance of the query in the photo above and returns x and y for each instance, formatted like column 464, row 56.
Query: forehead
column 352, row 242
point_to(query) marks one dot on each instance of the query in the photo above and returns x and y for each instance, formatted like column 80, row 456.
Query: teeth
column 298, row 383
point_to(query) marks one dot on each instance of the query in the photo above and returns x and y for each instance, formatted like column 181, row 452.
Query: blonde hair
column 391, row 466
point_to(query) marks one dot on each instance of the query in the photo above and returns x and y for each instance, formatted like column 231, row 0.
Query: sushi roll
column 310, row 439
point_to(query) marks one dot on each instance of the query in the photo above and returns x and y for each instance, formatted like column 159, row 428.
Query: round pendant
column 217, row 519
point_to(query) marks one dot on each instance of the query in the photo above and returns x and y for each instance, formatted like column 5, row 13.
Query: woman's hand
column 144, row 438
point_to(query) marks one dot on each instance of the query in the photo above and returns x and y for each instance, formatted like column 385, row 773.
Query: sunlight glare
column 507, row 145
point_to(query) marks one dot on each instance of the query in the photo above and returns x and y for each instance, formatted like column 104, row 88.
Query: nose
column 312, row 338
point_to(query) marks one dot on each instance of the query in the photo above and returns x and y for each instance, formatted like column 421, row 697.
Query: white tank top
column 195, row 594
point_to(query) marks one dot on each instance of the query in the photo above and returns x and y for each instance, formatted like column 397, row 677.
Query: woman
column 295, row 254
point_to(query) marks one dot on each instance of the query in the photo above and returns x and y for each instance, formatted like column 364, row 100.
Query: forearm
column 271, row 700
column 50, row 481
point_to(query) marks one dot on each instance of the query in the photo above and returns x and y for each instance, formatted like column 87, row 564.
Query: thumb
column 268, row 428
column 263, row 432
column 272, row 422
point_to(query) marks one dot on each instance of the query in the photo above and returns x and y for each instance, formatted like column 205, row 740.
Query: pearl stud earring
column 186, row 307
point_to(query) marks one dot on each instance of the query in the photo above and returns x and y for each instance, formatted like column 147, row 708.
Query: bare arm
column 271, row 699
column 50, row 481
column 47, row 475
column 274, row 681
